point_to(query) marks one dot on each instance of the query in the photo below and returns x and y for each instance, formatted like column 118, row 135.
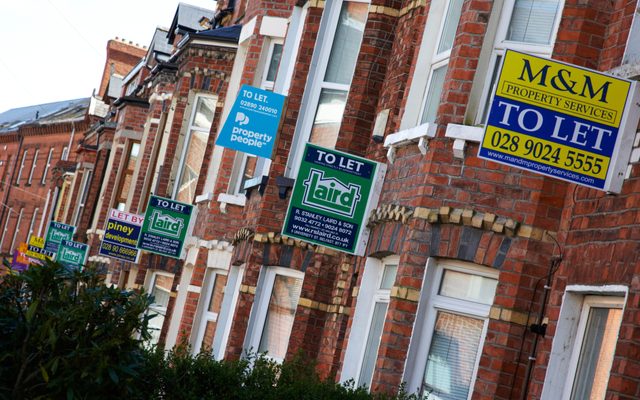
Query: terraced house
column 477, row 280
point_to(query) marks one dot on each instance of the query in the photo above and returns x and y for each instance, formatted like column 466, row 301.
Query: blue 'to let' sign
column 252, row 123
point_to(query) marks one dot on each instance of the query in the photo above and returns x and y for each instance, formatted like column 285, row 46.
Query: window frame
column 154, row 307
column 589, row 302
column 430, row 304
column 316, row 83
column 205, row 315
column 373, row 296
column 437, row 60
column 227, row 311
column 187, row 139
column 265, row 84
column 17, row 229
column 87, row 175
column 260, row 308
column 47, row 166
column 24, row 158
column 118, row 197
column 33, row 166
column 501, row 44
column 34, row 216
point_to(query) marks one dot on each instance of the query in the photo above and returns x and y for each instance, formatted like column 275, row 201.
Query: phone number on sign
column 546, row 152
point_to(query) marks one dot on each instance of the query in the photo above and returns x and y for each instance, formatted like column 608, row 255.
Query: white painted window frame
column 632, row 39
column 369, row 294
column 155, row 308
column 430, row 303
column 588, row 303
column 33, row 166
column 265, row 84
column 315, row 83
column 261, row 306
column 437, row 60
column 6, row 227
column 567, row 340
column 24, row 158
column 187, row 137
column 84, row 193
column 501, row 44
column 34, row 216
column 206, row 315
column 65, row 153
column 17, row 230
column 47, row 166
column 227, row 311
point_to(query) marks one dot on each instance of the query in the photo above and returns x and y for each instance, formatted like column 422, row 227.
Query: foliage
column 181, row 376
column 64, row 334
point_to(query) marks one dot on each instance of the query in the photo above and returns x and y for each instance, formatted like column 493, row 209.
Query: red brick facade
column 550, row 248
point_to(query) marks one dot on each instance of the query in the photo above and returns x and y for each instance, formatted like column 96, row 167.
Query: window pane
column 133, row 156
column 204, row 113
column 450, row 26
column 459, row 285
column 452, row 356
column 433, row 95
column 280, row 315
column 388, row 276
column 346, row 42
column 532, row 21
column 328, row 117
column 276, row 55
column 248, row 171
column 161, row 292
column 192, row 164
column 596, row 354
column 216, row 293
column 373, row 342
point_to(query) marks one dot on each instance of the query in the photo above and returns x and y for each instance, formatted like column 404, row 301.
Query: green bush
column 181, row 376
column 64, row 334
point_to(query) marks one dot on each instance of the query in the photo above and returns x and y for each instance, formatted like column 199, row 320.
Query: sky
column 54, row 50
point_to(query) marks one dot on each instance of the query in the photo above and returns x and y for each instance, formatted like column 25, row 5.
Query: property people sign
column 562, row 121
column 165, row 226
column 72, row 254
column 332, row 196
column 121, row 236
column 56, row 233
column 252, row 124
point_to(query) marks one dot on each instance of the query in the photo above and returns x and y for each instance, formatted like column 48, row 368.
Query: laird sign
column 562, row 121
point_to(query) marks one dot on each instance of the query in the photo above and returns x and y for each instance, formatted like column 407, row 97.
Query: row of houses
column 478, row 280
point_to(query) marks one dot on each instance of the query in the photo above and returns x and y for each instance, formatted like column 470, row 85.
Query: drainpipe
column 541, row 327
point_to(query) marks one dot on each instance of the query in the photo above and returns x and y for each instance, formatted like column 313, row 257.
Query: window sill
column 204, row 197
column 236, row 199
column 461, row 135
column 421, row 133
column 259, row 182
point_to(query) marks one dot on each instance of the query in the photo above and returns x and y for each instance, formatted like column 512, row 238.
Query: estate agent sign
column 562, row 121
column 72, row 254
column 121, row 236
column 36, row 249
column 253, row 121
column 332, row 197
column 165, row 226
column 56, row 233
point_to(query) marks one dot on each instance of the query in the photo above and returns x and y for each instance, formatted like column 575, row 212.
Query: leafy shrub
column 181, row 376
column 64, row 334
